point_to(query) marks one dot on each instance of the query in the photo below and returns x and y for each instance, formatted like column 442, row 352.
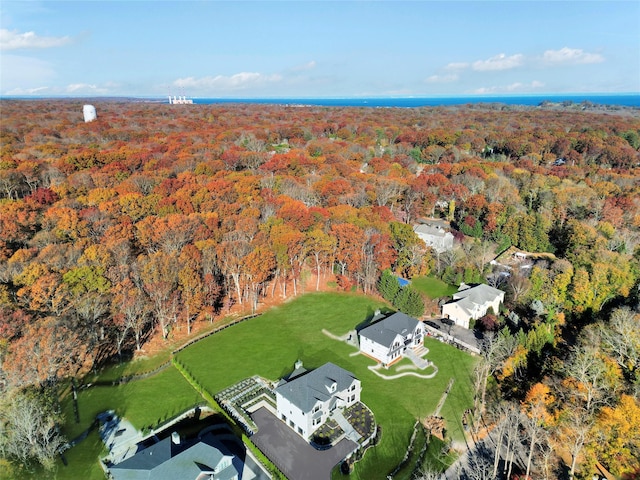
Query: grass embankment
column 269, row 345
column 433, row 287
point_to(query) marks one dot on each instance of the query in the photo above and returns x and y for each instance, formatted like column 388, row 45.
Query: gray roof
column 305, row 390
column 435, row 231
column 166, row 460
column 479, row 294
column 385, row 331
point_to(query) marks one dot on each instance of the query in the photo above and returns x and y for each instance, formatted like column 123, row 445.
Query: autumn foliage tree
column 118, row 231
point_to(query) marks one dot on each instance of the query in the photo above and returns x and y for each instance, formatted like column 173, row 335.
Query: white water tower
column 89, row 112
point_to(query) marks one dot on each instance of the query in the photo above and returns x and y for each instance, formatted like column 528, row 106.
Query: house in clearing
column 388, row 339
column 204, row 458
column 434, row 236
column 305, row 399
column 472, row 303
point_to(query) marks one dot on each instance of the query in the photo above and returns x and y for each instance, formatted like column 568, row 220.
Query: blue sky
column 243, row 49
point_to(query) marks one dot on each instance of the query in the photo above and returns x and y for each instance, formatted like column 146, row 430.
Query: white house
column 435, row 237
column 472, row 303
column 388, row 339
column 306, row 399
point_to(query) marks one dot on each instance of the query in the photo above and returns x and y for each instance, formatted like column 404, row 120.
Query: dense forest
column 155, row 219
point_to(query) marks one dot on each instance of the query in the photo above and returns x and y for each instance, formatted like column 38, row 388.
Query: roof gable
column 430, row 230
column 167, row 460
column 305, row 390
column 480, row 294
column 385, row 331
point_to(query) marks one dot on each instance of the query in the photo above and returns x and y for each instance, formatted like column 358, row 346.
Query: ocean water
column 621, row 99
column 627, row 100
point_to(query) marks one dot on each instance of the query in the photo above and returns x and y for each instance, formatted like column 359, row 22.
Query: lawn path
column 376, row 369
column 443, row 398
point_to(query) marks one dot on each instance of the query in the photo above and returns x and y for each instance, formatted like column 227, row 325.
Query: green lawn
column 144, row 402
column 433, row 287
column 270, row 344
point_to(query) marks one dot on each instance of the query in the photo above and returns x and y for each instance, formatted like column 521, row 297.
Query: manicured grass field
column 144, row 402
column 433, row 287
column 270, row 344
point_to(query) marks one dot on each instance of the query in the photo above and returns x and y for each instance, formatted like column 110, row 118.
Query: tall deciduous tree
column 190, row 283
column 159, row 275
column 259, row 266
column 320, row 246
column 621, row 340
column 349, row 240
column 617, row 434
column 47, row 351
column 131, row 313
column 28, row 429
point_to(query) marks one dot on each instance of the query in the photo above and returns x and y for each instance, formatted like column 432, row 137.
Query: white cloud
column 516, row 87
column 27, row 91
column 498, row 62
column 85, row 88
column 455, row 66
column 573, row 56
column 12, row 40
column 442, row 78
column 238, row 81
column 307, row 66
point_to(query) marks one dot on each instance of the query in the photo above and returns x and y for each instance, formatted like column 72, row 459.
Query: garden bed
column 361, row 419
column 327, row 434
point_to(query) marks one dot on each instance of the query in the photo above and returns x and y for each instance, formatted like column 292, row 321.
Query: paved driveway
column 468, row 337
column 291, row 454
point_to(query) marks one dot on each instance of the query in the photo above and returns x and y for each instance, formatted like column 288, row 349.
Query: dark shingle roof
column 166, row 460
column 305, row 390
column 385, row 331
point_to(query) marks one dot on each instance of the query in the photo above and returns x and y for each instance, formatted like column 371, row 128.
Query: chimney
column 175, row 438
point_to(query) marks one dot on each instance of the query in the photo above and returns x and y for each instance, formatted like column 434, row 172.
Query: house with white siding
column 305, row 399
column 434, row 236
column 387, row 340
column 472, row 303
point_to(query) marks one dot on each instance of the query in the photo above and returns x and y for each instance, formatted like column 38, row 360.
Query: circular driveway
column 291, row 453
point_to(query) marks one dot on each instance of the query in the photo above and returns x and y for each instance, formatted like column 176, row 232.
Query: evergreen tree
column 409, row 301
column 388, row 285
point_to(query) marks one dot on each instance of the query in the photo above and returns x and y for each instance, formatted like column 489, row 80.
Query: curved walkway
column 375, row 369
column 342, row 338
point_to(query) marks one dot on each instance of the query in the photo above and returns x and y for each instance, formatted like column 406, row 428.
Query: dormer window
column 333, row 387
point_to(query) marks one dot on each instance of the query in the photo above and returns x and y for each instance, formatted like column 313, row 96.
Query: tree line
column 153, row 219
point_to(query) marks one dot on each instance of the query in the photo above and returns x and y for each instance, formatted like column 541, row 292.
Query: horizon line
column 328, row 97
